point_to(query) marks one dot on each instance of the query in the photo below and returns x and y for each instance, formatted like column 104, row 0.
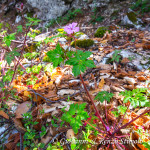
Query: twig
column 48, row 100
column 11, row 126
column 21, row 144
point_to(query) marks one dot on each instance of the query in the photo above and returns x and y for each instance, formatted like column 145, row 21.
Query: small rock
column 62, row 40
column 130, row 80
column 18, row 19
column 83, row 37
column 41, row 37
column 67, row 92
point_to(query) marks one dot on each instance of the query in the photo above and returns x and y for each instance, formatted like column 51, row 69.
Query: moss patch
column 83, row 43
column 132, row 17
column 101, row 31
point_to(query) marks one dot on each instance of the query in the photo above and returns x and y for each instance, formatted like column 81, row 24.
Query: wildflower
column 71, row 28
column 107, row 128
column 21, row 6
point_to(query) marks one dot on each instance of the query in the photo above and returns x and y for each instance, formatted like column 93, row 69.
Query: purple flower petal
column 71, row 28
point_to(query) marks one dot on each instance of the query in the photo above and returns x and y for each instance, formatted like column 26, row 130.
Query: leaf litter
column 55, row 90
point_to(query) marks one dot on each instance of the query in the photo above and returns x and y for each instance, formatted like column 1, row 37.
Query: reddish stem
column 97, row 112
column 122, row 127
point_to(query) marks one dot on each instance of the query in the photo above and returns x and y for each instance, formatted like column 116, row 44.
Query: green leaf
column 104, row 95
column 56, row 55
column 19, row 28
column 136, row 97
column 122, row 109
column 80, row 62
column 8, row 76
column 146, row 144
column 11, row 56
column 76, row 114
column 9, row 38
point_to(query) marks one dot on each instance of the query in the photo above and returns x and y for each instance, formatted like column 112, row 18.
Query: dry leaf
column 101, row 83
column 141, row 78
column 3, row 114
column 27, row 94
column 70, row 134
column 19, row 126
column 20, row 88
column 22, row 108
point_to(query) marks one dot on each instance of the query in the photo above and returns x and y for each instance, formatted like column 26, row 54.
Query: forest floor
column 44, row 106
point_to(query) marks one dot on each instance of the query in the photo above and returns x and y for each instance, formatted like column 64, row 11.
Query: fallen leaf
column 22, row 108
column 20, row 88
column 27, row 94
column 3, row 114
column 70, row 134
column 101, row 83
column 141, row 78
column 18, row 125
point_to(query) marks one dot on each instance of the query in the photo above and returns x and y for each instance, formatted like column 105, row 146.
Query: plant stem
column 98, row 114
column 130, row 122
column 94, row 127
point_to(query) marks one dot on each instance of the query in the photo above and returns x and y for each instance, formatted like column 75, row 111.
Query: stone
column 62, row 40
column 82, row 37
column 18, row 19
column 49, row 9
column 131, row 20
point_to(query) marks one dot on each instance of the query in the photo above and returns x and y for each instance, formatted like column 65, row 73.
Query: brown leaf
column 70, row 134
column 22, row 108
column 10, row 146
column 19, row 126
column 141, row 78
column 50, row 94
column 139, row 45
column 3, row 114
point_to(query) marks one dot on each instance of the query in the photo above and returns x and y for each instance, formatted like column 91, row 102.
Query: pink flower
column 21, row 6
column 71, row 28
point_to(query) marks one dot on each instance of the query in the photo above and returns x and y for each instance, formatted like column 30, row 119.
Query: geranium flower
column 71, row 28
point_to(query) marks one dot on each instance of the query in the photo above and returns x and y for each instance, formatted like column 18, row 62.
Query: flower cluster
column 71, row 28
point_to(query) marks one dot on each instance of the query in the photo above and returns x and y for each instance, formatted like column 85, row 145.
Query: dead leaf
column 141, row 78
column 3, row 114
column 27, row 94
column 70, row 134
column 50, row 94
column 101, row 83
column 19, row 126
column 20, row 88
column 22, row 108
column 10, row 146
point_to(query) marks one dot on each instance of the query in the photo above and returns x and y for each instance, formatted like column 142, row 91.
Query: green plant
column 101, row 31
column 34, row 69
column 116, row 57
column 121, row 110
column 31, row 56
column 56, row 146
column 83, row 43
column 137, row 97
column 75, row 115
column 104, row 95
column 31, row 134
column 141, row 5
column 56, row 55
column 46, row 59
column 80, row 62
column 96, row 17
